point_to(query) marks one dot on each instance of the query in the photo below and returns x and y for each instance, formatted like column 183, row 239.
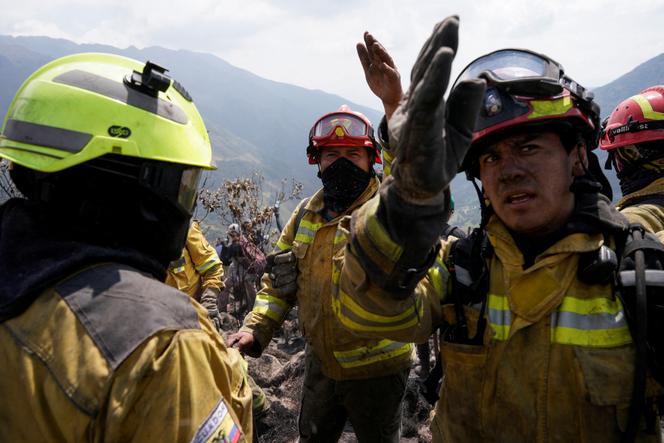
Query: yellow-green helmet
column 111, row 149
column 80, row 107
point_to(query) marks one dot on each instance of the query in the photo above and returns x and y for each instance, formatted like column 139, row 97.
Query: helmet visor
column 188, row 189
column 525, row 73
column 175, row 183
column 508, row 65
column 350, row 124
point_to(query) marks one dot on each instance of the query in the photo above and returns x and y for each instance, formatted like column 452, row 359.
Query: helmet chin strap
column 485, row 210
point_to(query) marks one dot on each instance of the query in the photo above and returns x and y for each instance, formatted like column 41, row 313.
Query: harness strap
column 300, row 212
column 640, row 247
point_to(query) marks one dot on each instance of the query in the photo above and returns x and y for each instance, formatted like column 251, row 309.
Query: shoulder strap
column 300, row 213
column 468, row 257
column 640, row 282
column 653, row 199
column 453, row 231
column 470, row 284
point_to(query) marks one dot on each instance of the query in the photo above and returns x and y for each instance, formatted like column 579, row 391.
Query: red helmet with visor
column 525, row 88
column 345, row 128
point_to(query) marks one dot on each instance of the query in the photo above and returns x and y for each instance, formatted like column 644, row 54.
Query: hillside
column 646, row 74
column 256, row 124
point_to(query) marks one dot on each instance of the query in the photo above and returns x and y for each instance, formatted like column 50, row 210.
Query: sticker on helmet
column 119, row 131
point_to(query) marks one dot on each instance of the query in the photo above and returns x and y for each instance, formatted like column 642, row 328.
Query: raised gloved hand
column 282, row 270
column 428, row 137
column 381, row 73
column 209, row 302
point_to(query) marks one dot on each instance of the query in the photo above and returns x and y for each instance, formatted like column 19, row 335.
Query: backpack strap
column 467, row 260
column 300, row 212
column 470, row 284
column 453, row 231
column 653, row 199
column 640, row 280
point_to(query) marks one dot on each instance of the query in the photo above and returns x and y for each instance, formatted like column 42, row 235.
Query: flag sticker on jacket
column 218, row 427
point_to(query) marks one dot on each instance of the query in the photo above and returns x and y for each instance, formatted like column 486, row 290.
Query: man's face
column 358, row 155
column 527, row 179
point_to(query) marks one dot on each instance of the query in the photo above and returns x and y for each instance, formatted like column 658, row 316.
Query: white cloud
column 312, row 43
column 36, row 27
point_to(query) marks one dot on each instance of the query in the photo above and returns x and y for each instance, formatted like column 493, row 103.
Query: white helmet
column 233, row 228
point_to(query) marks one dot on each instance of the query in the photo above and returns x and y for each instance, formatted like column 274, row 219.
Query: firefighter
column 108, row 153
column 535, row 340
column 633, row 135
column 345, row 378
column 198, row 272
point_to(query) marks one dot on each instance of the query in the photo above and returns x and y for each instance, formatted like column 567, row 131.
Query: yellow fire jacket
column 199, row 266
column 556, row 362
column 318, row 243
column 110, row 355
column 651, row 216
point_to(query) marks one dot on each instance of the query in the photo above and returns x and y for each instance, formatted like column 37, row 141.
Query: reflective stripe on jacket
column 199, row 266
column 319, row 246
column 651, row 216
column 556, row 363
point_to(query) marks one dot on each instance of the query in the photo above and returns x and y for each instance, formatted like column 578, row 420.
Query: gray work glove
column 209, row 302
column 282, row 270
column 428, row 137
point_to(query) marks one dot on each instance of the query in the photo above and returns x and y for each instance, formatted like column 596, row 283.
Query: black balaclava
column 638, row 165
column 107, row 209
column 343, row 183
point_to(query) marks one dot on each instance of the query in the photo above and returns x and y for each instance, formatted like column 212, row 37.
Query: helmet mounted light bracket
column 151, row 81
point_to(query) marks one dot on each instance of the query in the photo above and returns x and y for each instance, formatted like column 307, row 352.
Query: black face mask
column 343, row 183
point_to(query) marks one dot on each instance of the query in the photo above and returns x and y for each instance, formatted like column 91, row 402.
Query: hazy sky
column 312, row 43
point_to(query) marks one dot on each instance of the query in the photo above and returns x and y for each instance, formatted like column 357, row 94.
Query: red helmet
column 342, row 127
column 638, row 119
column 526, row 88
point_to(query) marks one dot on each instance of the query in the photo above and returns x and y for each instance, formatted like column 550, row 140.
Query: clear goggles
column 523, row 72
column 341, row 124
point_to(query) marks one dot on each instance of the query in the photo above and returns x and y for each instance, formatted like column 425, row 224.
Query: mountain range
column 256, row 124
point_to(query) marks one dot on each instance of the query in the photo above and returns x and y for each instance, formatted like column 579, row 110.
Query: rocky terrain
column 280, row 370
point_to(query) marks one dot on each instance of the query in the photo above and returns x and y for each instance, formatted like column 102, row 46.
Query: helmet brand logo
column 119, row 131
column 492, row 103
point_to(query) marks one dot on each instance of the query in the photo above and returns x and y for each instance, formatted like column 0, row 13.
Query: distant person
column 253, row 235
column 247, row 265
column 198, row 272
column 345, row 377
column 108, row 153
column 633, row 135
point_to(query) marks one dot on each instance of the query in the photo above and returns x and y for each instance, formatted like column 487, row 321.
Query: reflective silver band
column 48, row 136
